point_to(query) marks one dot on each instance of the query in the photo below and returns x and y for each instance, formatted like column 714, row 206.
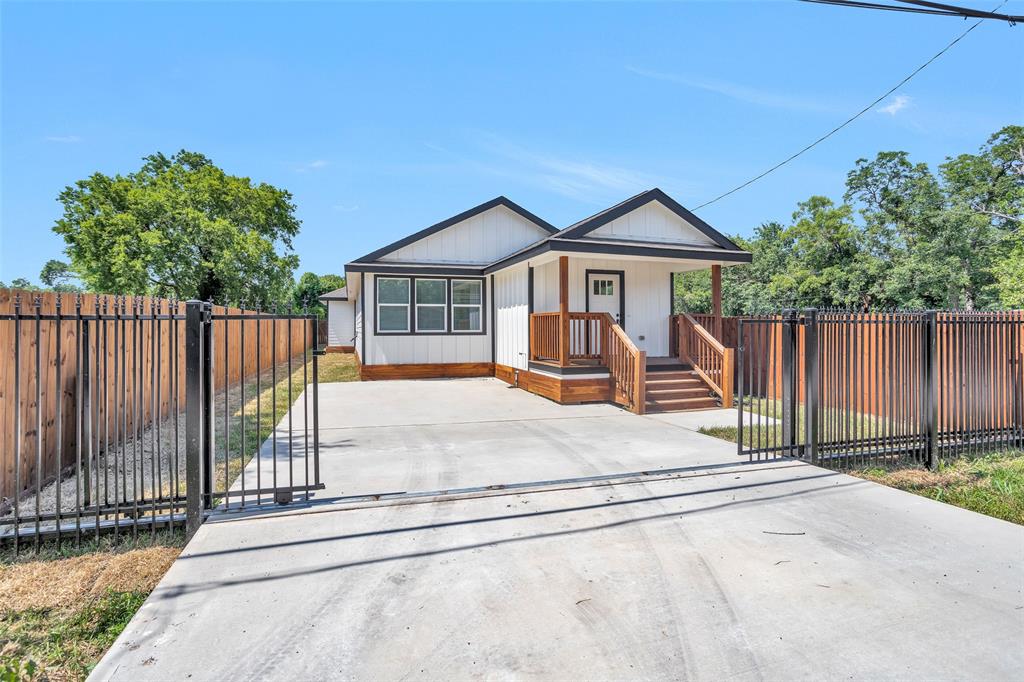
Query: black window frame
column 448, row 305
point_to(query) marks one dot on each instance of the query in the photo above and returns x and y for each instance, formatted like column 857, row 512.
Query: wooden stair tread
column 677, row 391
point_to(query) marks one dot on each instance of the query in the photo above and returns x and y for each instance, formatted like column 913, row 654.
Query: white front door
column 604, row 294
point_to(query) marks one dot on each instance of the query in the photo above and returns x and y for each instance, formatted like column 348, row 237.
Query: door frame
column 622, row 291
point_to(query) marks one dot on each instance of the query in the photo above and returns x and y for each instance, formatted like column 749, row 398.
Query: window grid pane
column 393, row 290
column 466, row 292
column 430, row 318
column 431, row 291
column 466, row 318
column 393, row 318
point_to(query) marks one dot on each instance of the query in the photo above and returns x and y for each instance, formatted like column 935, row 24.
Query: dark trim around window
column 412, row 306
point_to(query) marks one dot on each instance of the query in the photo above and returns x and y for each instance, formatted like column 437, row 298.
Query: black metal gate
column 120, row 414
column 231, row 473
column 848, row 390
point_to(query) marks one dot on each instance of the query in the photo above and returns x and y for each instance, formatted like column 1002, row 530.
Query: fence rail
column 852, row 389
column 92, row 393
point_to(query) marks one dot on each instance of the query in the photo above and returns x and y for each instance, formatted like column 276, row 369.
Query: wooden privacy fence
column 131, row 348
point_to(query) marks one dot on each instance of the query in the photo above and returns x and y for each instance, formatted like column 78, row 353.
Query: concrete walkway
column 702, row 568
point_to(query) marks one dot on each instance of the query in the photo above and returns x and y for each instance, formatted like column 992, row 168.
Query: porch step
column 681, row 404
column 678, row 391
column 674, row 392
column 673, row 377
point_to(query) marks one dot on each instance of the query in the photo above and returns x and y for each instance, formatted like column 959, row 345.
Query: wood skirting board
column 563, row 390
column 426, row 371
column 340, row 349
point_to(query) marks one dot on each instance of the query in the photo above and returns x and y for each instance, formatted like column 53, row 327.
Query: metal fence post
column 811, row 380
column 207, row 404
column 789, row 381
column 741, row 353
column 193, row 415
column 931, row 388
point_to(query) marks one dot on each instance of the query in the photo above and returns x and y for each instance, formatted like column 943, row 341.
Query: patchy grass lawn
column 991, row 485
column 335, row 367
column 61, row 610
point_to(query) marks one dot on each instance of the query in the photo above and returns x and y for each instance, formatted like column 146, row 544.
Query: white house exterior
column 459, row 298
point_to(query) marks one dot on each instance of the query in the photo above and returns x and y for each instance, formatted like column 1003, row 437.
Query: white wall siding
column 341, row 328
column 385, row 349
column 358, row 324
column 647, row 290
column 653, row 223
column 479, row 240
column 511, row 307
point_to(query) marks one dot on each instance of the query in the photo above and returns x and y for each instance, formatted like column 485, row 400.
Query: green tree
column 307, row 291
column 58, row 276
column 180, row 226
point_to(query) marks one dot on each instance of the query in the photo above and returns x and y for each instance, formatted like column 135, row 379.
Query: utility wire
column 849, row 120
column 925, row 7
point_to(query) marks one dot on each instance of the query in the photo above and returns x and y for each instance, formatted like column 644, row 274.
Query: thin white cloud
column 345, row 208
column 580, row 179
column 741, row 93
column 63, row 139
column 896, row 105
column 311, row 166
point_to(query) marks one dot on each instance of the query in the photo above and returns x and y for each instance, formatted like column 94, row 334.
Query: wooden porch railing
column 710, row 359
column 595, row 337
column 545, row 337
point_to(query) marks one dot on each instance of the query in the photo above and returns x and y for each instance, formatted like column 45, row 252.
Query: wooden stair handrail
column 711, row 360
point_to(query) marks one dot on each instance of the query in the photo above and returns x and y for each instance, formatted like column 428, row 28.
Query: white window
column 604, row 287
column 467, row 305
column 393, row 304
column 431, row 305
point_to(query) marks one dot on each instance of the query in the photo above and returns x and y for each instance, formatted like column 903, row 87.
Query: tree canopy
column 903, row 237
column 310, row 287
column 180, row 226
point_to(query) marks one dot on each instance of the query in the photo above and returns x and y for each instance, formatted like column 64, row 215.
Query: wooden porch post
column 563, row 311
column 716, row 300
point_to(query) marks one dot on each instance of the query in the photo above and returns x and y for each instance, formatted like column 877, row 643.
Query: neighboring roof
column 465, row 215
column 336, row 295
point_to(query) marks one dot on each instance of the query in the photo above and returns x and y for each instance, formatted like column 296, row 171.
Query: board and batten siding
column 479, row 240
column 512, row 316
column 653, row 223
column 647, row 288
column 341, row 329
column 404, row 349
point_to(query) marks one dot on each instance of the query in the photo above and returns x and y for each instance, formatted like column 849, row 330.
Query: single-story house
column 341, row 325
column 577, row 314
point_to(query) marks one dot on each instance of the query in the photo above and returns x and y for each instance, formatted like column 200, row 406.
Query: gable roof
column 336, row 295
column 465, row 215
column 587, row 225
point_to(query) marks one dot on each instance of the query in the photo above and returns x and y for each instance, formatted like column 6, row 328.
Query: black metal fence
column 849, row 390
column 122, row 413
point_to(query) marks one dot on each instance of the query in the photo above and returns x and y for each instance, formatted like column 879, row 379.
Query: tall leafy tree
column 310, row 287
column 180, row 226
column 58, row 276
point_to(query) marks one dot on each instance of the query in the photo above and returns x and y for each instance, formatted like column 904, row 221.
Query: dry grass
column 71, row 583
column 60, row 611
column 992, row 485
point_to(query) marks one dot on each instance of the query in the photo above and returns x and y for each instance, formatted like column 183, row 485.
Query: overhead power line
column 926, row 7
column 849, row 120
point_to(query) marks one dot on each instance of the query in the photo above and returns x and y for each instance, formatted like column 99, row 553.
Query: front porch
column 566, row 346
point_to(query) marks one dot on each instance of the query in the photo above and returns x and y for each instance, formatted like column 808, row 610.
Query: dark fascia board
column 465, row 215
column 414, row 269
column 605, row 217
column 333, row 298
column 620, row 249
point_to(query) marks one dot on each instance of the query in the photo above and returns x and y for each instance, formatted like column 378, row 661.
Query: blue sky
column 384, row 118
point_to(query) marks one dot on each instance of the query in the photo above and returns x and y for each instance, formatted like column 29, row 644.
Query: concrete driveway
column 633, row 548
